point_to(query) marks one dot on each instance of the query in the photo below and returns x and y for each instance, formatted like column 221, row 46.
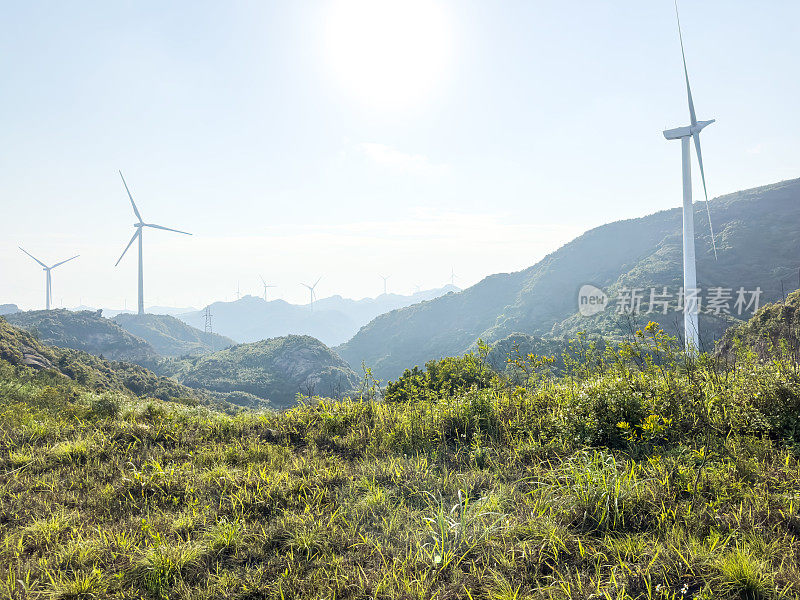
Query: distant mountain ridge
column 8, row 309
column 758, row 242
column 170, row 336
column 333, row 320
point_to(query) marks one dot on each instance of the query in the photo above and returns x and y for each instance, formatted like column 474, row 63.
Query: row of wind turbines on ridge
column 139, row 226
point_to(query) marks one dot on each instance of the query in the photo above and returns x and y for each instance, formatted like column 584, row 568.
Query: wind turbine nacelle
column 689, row 130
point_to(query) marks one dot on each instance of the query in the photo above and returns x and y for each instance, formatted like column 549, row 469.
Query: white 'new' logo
column 591, row 300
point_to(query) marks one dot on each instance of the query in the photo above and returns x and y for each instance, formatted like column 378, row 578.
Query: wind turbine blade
column 262, row 280
column 696, row 137
column 63, row 261
column 32, row 256
column 315, row 284
column 165, row 228
column 138, row 232
column 136, row 210
column 692, row 114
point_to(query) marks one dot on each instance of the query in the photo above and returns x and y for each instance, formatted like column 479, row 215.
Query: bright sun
column 389, row 54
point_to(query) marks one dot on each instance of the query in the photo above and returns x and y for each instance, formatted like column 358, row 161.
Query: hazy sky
column 347, row 139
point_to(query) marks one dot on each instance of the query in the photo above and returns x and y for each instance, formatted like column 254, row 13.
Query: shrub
column 449, row 376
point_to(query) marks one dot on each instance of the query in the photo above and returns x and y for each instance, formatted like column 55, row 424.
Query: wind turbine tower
column 453, row 276
column 684, row 134
column 312, row 295
column 48, row 280
column 138, row 234
column 266, row 285
column 385, row 279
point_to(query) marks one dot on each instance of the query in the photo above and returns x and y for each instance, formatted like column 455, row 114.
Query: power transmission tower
column 208, row 328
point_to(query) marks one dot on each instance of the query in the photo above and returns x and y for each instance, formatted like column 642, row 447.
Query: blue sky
column 530, row 122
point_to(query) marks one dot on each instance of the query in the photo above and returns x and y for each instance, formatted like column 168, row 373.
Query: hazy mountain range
column 333, row 320
column 758, row 243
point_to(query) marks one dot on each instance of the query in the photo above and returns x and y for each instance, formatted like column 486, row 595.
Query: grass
column 639, row 478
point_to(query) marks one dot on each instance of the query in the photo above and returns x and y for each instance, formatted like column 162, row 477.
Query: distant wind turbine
column 139, row 229
column 266, row 285
column 311, row 292
column 385, row 279
column 48, row 281
column 453, row 276
column 690, row 326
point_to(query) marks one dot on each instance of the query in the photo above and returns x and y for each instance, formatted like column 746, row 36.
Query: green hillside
column 21, row 350
column 170, row 336
column 758, row 241
column 276, row 370
column 88, row 331
column 626, row 480
column 773, row 331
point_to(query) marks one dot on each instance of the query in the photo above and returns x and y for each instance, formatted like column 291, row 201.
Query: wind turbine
column 48, row 285
column 311, row 292
column 690, row 291
column 385, row 279
column 453, row 275
column 139, row 229
column 266, row 285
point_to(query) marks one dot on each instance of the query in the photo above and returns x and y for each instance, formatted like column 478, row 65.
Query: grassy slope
column 170, row 336
column 758, row 243
column 537, row 493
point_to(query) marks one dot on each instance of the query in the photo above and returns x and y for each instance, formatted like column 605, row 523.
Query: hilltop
column 275, row 370
column 7, row 309
column 333, row 320
column 170, row 336
column 758, row 242
column 88, row 331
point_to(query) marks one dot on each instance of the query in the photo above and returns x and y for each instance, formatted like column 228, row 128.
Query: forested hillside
column 758, row 242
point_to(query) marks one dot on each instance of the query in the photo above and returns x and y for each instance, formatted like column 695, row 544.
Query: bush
column 449, row 376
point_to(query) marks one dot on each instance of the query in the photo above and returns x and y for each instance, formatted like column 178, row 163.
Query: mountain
column 170, row 336
column 758, row 243
column 334, row 320
column 7, row 309
column 155, row 310
column 21, row 348
column 87, row 331
column 275, row 370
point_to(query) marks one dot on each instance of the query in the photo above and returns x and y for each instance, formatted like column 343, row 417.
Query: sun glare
column 388, row 54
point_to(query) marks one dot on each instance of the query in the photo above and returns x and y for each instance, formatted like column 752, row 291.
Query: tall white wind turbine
column 690, row 291
column 266, row 285
column 311, row 292
column 138, row 234
column 48, row 280
column 385, row 279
